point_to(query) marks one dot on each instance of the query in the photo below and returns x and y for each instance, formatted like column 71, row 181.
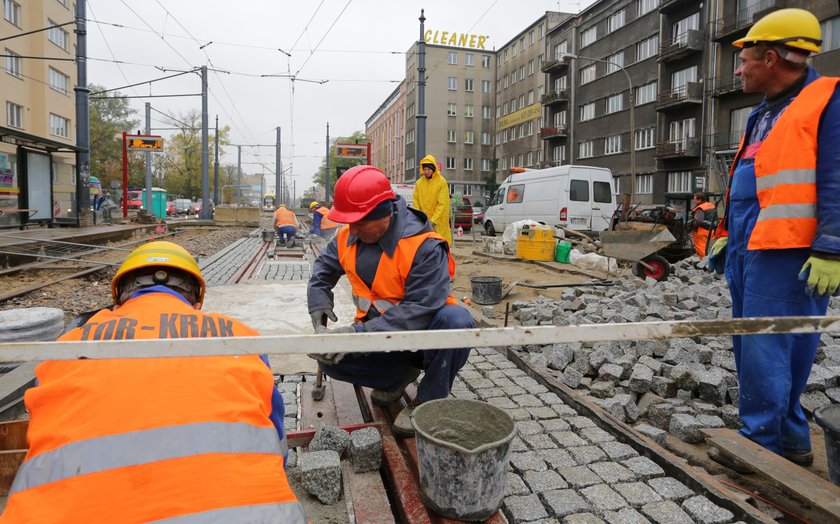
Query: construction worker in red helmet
column 399, row 270
column 779, row 240
column 152, row 439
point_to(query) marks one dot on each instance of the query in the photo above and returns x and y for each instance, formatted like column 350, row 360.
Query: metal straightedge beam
column 411, row 340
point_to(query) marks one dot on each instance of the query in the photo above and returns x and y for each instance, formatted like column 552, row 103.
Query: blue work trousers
column 772, row 369
column 386, row 371
column 286, row 232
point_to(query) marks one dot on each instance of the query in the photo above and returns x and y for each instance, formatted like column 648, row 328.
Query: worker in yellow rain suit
column 192, row 439
column 431, row 196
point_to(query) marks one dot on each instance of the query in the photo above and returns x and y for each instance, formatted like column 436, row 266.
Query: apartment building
column 37, row 134
column 385, row 130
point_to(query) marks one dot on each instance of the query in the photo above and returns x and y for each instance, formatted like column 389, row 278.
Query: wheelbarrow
column 641, row 247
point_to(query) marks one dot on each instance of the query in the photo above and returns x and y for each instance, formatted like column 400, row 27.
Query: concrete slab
column 277, row 308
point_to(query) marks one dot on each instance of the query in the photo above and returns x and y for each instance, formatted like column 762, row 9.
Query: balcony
column 726, row 141
column 725, row 85
column 554, row 132
column 683, row 45
column 550, row 66
column 730, row 26
column 666, row 6
column 555, row 97
column 690, row 93
column 687, row 148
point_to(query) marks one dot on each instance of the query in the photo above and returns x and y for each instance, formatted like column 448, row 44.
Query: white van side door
column 603, row 201
column 580, row 199
column 495, row 213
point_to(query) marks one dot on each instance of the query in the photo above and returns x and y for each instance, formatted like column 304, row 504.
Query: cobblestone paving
column 284, row 270
column 563, row 468
column 219, row 268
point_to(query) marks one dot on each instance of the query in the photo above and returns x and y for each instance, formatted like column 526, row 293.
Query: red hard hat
column 357, row 192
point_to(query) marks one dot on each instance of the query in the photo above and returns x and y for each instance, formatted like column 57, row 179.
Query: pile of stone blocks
column 675, row 385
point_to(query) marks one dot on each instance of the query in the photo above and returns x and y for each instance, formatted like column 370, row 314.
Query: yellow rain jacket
column 431, row 196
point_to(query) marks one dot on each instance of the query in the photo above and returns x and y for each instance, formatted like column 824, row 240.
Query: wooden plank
column 820, row 493
column 316, row 412
column 370, row 502
column 13, row 435
column 347, row 408
column 10, row 461
column 15, row 383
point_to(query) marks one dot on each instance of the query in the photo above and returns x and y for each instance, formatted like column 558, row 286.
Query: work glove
column 717, row 256
column 330, row 359
column 319, row 318
column 342, row 329
column 822, row 275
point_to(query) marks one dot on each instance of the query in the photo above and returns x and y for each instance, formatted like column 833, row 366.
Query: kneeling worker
column 286, row 224
column 321, row 224
column 192, row 439
column 399, row 270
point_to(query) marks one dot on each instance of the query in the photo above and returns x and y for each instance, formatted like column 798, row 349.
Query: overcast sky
column 358, row 45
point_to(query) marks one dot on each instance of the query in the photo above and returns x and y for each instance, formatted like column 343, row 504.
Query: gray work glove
column 319, row 318
column 328, row 358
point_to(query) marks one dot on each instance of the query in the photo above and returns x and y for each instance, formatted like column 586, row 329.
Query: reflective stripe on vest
column 326, row 223
column 388, row 287
column 151, row 445
column 285, row 513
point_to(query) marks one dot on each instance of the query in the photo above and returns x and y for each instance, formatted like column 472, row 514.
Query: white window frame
column 451, row 109
column 13, row 64
column 14, row 115
column 680, row 131
column 468, row 163
column 57, row 35
column 647, row 48
column 485, row 165
column 469, row 85
column 614, row 103
column 452, row 58
column 644, row 184
column 680, row 28
column 469, row 137
column 646, row 6
column 530, row 67
column 587, row 112
column 59, row 126
column 559, row 118
column 530, row 97
column 680, row 182
column 451, row 136
column 586, row 149
column 616, row 62
column 486, row 86
column 645, row 94
column 485, row 61
column 469, row 59
column 558, row 154
column 11, row 12
column 485, row 138
column 469, row 110
column 58, row 81
column 589, row 36
column 451, row 162
column 645, row 138
column 681, row 78
column 452, row 83
column 529, row 159
column 615, row 21
column 486, row 112
column 612, row 145
column 588, row 74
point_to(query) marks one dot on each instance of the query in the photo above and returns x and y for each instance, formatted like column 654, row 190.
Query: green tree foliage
column 357, row 137
column 110, row 115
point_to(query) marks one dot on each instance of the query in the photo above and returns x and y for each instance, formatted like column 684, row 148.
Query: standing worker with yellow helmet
column 321, row 224
column 148, row 439
column 779, row 240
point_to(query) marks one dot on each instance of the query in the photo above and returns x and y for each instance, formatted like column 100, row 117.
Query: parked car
column 183, row 206
column 171, row 210
column 576, row 197
column 464, row 214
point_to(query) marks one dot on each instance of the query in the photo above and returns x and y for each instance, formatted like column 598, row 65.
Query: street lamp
column 568, row 57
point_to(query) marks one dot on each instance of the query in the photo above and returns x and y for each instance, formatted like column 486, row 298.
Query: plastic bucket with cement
column 463, row 448
column 828, row 417
column 486, row 290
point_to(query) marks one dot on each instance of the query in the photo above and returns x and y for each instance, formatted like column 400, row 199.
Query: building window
column 558, row 154
column 737, row 125
column 513, row 50
column 452, row 58
column 57, row 35
column 512, row 133
column 522, row 72
column 646, row 6
column 521, row 101
column 59, row 126
column 505, row 108
column 452, row 83
column 521, row 130
column 587, row 112
column 485, row 164
column 615, row 21
column 586, row 149
column 680, row 78
column 409, row 137
column 505, row 56
column 644, row 184
column 530, row 97
column 468, row 85
column 451, row 109
column 529, row 158
column 830, row 34
column 589, row 36
column 587, row 74
column 485, row 61
column 531, row 38
column 680, row 131
column 612, row 145
column 615, row 103
column 450, row 136
column 469, row 137
column 410, row 111
column 58, row 80
column 522, row 44
column 409, row 163
column 11, row 12
column 450, row 162
column 486, row 112
column 647, row 48
column 469, row 110
column 679, row 32
column 540, row 32
column 14, row 115
column 499, row 137
column 468, row 164
column 531, row 128
column 513, row 77
column 469, row 59
column 485, row 138
column 646, row 93
column 645, row 138
column 560, row 118
column 616, row 62
column 540, row 61
column 530, row 67
column 486, row 86
column 680, row 182
column 12, row 63
column 512, row 105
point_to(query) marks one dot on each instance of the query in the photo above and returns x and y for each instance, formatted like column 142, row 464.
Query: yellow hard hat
column 796, row 28
column 281, row 205
column 313, row 205
column 159, row 254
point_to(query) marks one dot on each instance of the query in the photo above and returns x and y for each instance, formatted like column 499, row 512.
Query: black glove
column 319, row 318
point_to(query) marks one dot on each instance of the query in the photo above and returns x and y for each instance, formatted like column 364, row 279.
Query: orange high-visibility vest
column 388, row 287
column 701, row 234
column 284, row 217
column 139, row 440
column 326, row 223
column 786, row 173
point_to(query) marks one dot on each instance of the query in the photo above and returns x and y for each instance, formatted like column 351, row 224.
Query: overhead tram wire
column 323, row 37
column 142, row 83
column 108, row 46
column 306, row 26
column 482, row 16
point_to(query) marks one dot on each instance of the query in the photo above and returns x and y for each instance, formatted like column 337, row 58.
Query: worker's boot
column 733, row 464
column 402, row 424
column 800, row 457
column 381, row 398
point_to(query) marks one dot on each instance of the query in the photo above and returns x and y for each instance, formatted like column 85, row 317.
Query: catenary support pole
column 206, row 212
column 238, row 176
column 149, row 199
column 278, row 173
column 421, row 95
column 216, row 166
column 82, row 118
column 327, row 171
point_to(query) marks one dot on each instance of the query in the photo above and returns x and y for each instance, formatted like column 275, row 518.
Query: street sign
column 351, row 151
column 700, row 182
column 144, row 143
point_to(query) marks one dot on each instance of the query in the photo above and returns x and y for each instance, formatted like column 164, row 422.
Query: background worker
column 399, row 271
column 286, row 224
column 703, row 216
column 431, row 196
column 321, row 224
column 148, row 439
column 782, row 253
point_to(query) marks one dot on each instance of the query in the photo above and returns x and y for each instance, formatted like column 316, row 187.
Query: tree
column 490, row 184
column 110, row 115
column 357, row 137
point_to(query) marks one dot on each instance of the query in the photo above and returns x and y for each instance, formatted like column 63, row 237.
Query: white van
column 576, row 197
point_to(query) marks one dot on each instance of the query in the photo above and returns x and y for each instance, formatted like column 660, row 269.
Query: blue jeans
column 386, row 371
column 286, row 232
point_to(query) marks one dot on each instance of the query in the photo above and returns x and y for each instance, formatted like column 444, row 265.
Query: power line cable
column 306, row 26
column 482, row 15
column 141, row 83
column 155, row 32
column 108, row 46
column 323, row 37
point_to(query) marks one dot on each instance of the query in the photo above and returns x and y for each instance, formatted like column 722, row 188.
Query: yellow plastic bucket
column 536, row 243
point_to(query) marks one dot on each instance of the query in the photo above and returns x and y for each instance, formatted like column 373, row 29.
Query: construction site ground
column 275, row 305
